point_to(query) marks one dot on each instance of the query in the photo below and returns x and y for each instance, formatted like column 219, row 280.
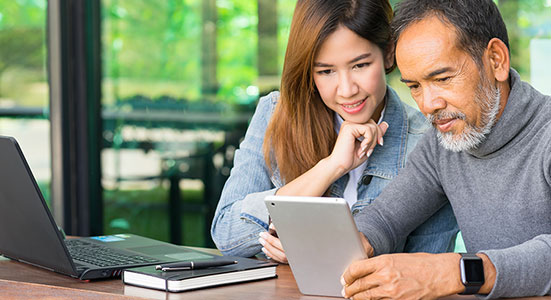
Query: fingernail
column 369, row 152
column 343, row 282
column 362, row 155
column 381, row 141
column 363, row 148
column 263, row 235
column 343, row 294
column 265, row 252
column 262, row 241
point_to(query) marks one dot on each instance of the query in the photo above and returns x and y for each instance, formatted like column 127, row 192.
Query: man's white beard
column 488, row 99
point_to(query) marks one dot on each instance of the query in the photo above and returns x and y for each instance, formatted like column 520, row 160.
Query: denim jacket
column 241, row 214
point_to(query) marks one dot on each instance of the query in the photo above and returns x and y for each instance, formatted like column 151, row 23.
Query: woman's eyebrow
column 355, row 59
column 360, row 57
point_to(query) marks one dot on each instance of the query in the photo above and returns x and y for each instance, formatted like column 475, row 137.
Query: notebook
column 178, row 281
column 29, row 234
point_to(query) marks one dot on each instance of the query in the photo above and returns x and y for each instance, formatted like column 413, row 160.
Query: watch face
column 472, row 271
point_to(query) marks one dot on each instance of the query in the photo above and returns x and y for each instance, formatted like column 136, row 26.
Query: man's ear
column 498, row 55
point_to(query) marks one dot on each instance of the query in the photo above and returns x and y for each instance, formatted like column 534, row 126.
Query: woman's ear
column 389, row 56
column 498, row 56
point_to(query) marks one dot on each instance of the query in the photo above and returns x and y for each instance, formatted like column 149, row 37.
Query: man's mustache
column 443, row 115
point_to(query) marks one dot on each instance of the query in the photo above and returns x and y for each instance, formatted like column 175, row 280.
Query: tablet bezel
column 320, row 239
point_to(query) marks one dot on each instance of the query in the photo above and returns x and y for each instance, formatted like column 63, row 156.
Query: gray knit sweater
column 500, row 194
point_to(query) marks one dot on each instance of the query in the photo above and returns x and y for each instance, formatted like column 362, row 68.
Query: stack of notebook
column 178, row 281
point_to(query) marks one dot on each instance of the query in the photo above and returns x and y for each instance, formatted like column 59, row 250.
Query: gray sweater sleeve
column 408, row 201
column 522, row 270
column 525, row 269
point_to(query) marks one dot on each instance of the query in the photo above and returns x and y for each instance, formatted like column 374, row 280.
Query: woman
column 336, row 129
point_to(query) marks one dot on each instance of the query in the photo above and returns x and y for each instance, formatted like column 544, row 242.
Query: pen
column 190, row 265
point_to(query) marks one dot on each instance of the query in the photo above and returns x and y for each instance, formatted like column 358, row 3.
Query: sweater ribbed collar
column 513, row 120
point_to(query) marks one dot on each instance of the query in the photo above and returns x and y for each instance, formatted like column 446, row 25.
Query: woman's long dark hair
column 301, row 131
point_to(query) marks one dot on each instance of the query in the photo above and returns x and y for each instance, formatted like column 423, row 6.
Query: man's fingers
column 371, row 294
column 358, row 269
column 360, row 288
column 367, row 246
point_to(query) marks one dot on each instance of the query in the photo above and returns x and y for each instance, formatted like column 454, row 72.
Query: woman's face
column 349, row 73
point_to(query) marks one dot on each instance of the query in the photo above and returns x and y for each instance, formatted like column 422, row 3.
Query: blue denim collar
column 386, row 161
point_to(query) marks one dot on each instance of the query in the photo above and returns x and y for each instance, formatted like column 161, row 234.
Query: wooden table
column 22, row 281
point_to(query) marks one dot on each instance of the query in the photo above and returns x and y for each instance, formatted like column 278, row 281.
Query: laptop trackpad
column 176, row 253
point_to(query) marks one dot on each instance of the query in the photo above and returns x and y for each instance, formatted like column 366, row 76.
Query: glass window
column 24, row 90
column 180, row 82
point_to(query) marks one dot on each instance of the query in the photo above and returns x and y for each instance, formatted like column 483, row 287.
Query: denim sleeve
column 406, row 202
column 241, row 214
column 436, row 235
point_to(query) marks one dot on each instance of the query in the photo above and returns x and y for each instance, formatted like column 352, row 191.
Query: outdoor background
column 180, row 81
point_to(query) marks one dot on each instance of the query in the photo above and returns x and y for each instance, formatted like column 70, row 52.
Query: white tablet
column 320, row 239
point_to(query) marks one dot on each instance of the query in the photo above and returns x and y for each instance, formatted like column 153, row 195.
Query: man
column 489, row 155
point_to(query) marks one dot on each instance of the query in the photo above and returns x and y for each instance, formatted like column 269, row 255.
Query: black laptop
column 29, row 234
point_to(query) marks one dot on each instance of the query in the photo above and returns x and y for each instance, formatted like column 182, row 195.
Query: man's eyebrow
column 430, row 75
column 355, row 59
column 437, row 72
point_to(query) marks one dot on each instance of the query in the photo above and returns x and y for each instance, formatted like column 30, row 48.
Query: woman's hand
column 271, row 245
column 349, row 152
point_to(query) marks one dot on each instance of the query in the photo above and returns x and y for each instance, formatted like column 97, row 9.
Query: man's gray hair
column 475, row 22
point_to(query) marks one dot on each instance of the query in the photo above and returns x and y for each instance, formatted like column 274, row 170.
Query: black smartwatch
column 472, row 273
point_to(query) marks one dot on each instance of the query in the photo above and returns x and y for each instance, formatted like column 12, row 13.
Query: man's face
column 460, row 100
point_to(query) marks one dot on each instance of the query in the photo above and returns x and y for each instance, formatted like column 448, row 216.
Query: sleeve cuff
column 521, row 270
column 254, row 209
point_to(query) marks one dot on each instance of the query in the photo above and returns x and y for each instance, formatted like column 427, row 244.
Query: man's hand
column 367, row 246
column 271, row 245
column 403, row 276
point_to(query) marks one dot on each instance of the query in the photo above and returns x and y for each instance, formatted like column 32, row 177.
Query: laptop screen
column 27, row 229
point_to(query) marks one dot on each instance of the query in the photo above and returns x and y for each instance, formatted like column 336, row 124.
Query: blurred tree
column 209, row 55
column 21, row 47
column 267, row 57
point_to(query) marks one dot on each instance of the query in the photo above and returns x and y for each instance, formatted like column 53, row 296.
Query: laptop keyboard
column 103, row 256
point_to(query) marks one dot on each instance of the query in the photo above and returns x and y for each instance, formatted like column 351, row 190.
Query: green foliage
column 23, row 13
column 145, row 212
column 146, row 43
column 27, row 52
column 22, row 48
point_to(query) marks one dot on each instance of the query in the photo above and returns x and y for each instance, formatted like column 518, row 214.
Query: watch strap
column 470, row 289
